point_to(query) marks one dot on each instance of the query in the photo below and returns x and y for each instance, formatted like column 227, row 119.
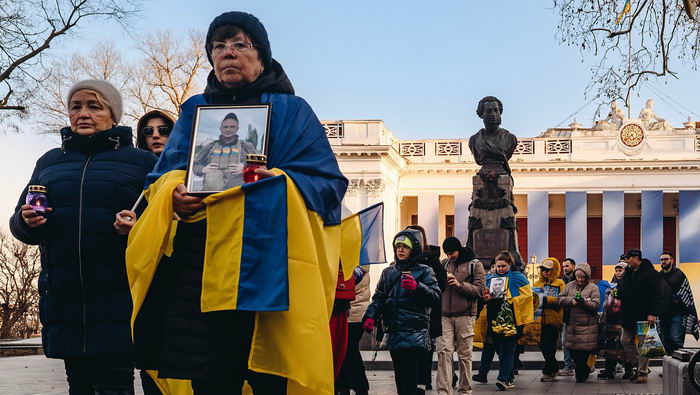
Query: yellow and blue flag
column 362, row 239
column 297, row 212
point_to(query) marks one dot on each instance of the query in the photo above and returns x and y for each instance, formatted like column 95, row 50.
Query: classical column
column 613, row 226
column 462, row 201
column 652, row 224
column 688, row 229
column 537, row 225
column 428, row 211
column 577, row 226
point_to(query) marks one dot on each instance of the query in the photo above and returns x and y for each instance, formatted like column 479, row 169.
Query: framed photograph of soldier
column 497, row 288
column 222, row 138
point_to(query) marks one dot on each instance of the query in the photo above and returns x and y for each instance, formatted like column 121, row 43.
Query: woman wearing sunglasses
column 153, row 130
column 552, row 317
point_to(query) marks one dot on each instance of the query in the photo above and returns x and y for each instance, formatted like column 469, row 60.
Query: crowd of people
column 422, row 304
column 591, row 317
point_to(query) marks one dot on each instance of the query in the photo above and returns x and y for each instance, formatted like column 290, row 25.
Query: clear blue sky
column 421, row 67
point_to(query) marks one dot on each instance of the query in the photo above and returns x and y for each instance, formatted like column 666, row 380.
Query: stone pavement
column 38, row 375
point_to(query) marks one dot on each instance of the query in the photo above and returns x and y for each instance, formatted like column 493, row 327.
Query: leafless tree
column 100, row 62
column 19, row 271
column 171, row 70
column 28, row 28
column 647, row 39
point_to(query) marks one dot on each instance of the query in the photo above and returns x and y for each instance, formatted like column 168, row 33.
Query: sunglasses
column 162, row 130
column 544, row 269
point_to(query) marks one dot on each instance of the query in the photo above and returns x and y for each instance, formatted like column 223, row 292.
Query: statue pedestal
column 492, row 225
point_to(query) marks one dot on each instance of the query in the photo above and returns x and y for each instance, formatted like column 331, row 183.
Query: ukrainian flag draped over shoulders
column 300, row 206
column 520, row 295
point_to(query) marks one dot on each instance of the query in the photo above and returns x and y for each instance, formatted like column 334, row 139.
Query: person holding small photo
column 508, row 308
column 552, row 315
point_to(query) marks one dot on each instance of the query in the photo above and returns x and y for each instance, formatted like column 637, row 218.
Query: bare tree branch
column 28, row 28
column 647, row 42
column 19, row 296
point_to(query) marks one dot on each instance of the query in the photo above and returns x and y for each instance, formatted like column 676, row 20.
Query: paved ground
column 39, row 375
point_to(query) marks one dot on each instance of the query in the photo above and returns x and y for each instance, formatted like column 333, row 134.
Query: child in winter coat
column 403, row 297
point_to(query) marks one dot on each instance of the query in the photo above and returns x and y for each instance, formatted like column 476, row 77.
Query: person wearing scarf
column 193, row 330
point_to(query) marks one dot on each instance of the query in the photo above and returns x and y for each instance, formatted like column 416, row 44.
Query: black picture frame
column 224, row 169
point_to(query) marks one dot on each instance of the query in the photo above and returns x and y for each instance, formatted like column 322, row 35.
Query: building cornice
column 563, row 168
column 387, row 153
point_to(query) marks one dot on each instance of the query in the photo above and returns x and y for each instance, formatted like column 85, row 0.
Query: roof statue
column 648, row 118
column 613, row 121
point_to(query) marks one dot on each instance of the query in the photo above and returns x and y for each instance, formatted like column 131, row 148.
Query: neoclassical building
column 585, row 193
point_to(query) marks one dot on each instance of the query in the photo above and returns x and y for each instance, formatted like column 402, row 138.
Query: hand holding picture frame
column 222, row 138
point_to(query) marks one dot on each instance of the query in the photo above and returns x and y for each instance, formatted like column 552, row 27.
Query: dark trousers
column 505, row 347
column 112, row 375
column 581, row 361
column 352, row 375
column 406, row 362
column 672, row 333
column 548, row 346
column 425, row 367
column 229, row 366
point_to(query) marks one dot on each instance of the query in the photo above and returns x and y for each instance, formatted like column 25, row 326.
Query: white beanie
column 107, row 90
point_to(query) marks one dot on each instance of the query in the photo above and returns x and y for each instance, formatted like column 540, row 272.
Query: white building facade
column 581, row 193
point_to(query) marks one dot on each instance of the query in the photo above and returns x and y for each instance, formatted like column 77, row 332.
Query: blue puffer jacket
column 85, row 304
column 405, row 313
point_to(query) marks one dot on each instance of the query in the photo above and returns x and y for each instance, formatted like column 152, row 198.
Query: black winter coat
column 671, row 283
column 405, row 313
column 85, row 303
column 640, row 294
column 431, row 259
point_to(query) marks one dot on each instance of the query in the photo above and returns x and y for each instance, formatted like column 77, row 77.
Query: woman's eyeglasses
column 218, row 47
column 162, row 130
column 544, row 269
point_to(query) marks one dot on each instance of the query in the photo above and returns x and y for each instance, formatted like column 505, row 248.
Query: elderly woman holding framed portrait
column 239, row 240
column 85, row 305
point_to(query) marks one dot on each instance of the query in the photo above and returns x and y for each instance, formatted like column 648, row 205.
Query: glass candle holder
column 36, row 197
column 253, row 162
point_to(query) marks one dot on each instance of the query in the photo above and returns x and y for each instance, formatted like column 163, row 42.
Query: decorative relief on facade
column 374, row 186
column 697, row 143
column 334, row 130
column 354, row 185
column 525, row 147
column 447, row 148
column 412, row 149
column 557, row 146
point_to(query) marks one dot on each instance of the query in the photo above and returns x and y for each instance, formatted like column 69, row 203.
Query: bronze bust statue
column 492, row 146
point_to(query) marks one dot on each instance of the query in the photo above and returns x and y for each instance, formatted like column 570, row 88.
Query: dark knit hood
column 140, row 138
